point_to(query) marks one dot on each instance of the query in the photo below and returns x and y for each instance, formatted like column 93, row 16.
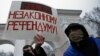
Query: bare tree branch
column 93, row 19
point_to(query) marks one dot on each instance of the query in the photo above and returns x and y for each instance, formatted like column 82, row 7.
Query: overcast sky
column 84, row 5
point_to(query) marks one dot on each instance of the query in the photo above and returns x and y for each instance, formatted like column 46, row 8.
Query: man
column 28, row 51
column 80, row 42
column 37, row 51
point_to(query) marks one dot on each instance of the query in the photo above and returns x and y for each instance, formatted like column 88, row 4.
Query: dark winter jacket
column 39, row 51
column 87, row 47
column 71, row 51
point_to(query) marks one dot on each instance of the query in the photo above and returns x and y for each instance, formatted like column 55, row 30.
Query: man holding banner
column 38, row 50
column 39, row 41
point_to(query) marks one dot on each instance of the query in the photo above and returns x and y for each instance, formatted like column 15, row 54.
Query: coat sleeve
column 68, row 52
column 98, row 44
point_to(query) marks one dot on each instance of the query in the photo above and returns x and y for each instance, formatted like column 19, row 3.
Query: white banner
column 26, row 19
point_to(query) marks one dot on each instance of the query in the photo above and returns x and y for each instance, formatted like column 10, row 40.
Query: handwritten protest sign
column 26, row 19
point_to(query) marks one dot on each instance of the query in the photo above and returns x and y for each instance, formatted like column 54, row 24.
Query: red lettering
column 37, row 15
column 44, row 25
column 26, row 15
column 22, row 24
column 34, row 25
column 29, row 25
column 13, row 24
column 9, row 23
column 53, row 20
column 12, row 14
column 31, row 15
column 48, row 18
column 19, row 14
column 40, row 27
column 43, row 16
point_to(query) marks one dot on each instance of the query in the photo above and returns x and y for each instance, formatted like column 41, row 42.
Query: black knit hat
column 75, row 26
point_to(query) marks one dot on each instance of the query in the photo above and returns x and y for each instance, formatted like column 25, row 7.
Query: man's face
column 76, row 35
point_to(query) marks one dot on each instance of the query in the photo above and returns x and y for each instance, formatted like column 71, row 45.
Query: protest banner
column 27, row 19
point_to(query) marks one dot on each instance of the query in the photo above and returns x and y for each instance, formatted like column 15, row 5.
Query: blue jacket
column 73, row 52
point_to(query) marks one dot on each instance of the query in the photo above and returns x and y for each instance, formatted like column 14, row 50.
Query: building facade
column 65, row 17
